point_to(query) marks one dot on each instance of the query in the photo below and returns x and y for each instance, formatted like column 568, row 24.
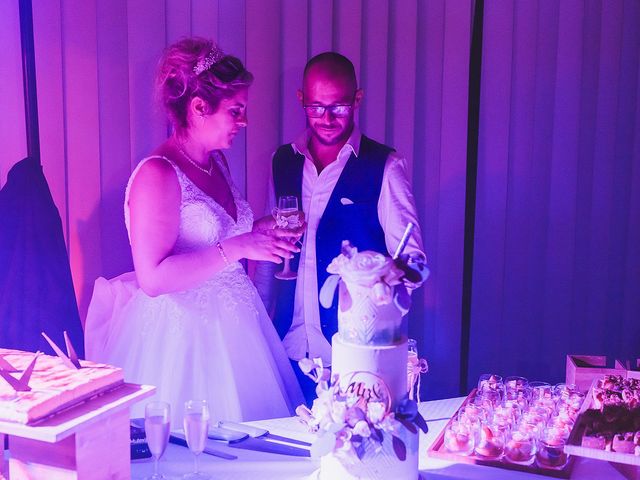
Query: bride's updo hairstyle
column 196, row 67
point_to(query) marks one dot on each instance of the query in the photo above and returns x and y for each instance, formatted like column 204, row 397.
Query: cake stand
column 89, row 441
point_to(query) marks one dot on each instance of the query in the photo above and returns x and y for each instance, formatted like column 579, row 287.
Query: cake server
column 263, row 445
column 178, row 438
column 261, row 433
column 403, row 240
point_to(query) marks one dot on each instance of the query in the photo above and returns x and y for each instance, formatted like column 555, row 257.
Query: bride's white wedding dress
column 213, row 342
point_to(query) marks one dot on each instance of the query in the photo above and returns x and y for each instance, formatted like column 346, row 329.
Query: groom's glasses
column 337, row 110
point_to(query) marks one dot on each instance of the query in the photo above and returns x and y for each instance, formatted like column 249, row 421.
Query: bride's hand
column 267, row 224
column 261, row 245
column 264, row 224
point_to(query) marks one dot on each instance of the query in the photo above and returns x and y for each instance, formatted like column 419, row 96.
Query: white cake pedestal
column 87, row 442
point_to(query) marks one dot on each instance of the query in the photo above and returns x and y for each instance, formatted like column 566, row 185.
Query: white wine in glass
column 287, row 217
column 196, row 428
column 157, row 427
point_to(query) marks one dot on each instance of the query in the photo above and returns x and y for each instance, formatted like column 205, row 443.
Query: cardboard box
column 583, row 369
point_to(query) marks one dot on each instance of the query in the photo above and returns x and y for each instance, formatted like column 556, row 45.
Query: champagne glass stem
column 286, row 268
column 195, row 464
column 156, row 459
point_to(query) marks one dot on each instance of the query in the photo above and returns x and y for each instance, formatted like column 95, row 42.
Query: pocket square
column 346, row 201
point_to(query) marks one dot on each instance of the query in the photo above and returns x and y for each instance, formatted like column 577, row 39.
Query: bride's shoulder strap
column 145, row 160
column 133, row 175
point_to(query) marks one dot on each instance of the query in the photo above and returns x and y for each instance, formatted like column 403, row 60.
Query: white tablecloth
column 178, row 460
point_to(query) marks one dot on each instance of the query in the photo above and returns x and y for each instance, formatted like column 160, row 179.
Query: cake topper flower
column 385, row 277
column 367, row 269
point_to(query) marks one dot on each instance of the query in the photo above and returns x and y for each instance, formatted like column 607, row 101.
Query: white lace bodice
column 203, row 222
column 177, row 339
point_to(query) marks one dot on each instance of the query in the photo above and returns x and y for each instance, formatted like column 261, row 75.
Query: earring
column 201, row 120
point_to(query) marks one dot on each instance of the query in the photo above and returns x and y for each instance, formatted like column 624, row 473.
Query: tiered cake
column 368, row 428
column 53, row 386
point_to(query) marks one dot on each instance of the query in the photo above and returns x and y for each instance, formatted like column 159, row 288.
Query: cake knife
column 262, row 433
column 403, row 241
column 263, row 445
column 179, row 439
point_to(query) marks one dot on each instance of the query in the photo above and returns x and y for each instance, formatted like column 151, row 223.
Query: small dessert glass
column 560, row 423
column 575, row 401
column 459, row 438
column 514, row 407
column 520, row 447
column 564, row 415
column 506, row 414
column 530, row 428
column 533, row 417
column 489, row 398
column 491, row 441
column 490, row 381
column 516, row 384
column 473, row 415
column 522, row 398
column 550, row 452
column 540, row 390
column 541, row 410
column 562, row 391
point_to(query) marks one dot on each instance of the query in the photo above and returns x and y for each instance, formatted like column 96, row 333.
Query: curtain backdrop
column 556, row 252
column 557, row 239
column 13, row 134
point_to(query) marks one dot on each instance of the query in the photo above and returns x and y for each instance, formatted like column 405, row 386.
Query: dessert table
column 251, row 464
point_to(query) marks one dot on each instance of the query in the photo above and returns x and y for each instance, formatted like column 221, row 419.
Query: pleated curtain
column 556, row 256
column 557, row 238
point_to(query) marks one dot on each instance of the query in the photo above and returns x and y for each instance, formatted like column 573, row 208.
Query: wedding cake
column 49, row 385
column 367, row 426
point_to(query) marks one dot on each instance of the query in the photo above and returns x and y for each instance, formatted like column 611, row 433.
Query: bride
column 189, row 320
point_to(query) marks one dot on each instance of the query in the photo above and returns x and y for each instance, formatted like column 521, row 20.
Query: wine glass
column 287, row 218
column 157, row 427
column 196, row 427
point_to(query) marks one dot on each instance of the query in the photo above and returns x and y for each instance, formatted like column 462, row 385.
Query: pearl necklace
column 196, row 164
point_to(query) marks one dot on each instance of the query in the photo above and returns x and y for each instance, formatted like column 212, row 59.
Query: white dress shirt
column 396, row 208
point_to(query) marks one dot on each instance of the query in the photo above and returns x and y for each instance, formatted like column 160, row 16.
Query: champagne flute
column 288, row 218
column 196, row 428
column 157, row 427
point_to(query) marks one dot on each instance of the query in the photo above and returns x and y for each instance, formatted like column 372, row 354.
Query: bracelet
column 222, row 254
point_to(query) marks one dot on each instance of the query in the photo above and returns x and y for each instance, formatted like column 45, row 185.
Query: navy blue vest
column 351, row 214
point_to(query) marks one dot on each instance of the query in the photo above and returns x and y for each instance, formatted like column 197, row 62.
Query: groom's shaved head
column 330, row 80
column 331, row 64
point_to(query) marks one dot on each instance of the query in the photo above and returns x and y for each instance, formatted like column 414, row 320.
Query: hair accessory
column 205, row 63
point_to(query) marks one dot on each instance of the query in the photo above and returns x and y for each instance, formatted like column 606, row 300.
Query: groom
column 349, row 187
